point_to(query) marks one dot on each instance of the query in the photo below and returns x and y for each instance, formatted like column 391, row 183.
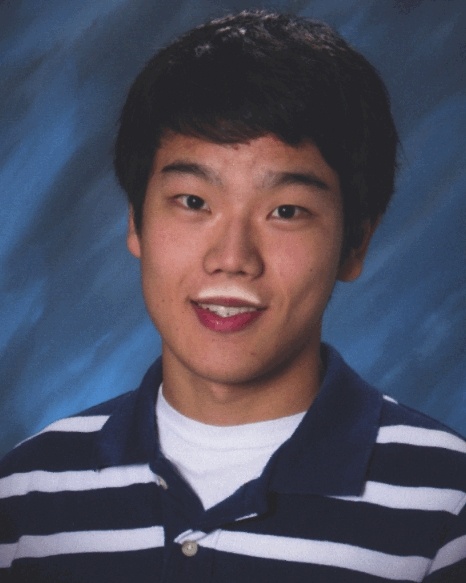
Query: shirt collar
column 328, row 454
column 130, row 435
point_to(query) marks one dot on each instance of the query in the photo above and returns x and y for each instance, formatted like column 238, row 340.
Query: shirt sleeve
column 449, row 563
column 8, row 538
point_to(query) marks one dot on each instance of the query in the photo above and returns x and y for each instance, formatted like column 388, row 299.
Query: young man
column 258, row 154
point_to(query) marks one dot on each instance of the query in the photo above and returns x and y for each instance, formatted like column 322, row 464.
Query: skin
column 261, row 215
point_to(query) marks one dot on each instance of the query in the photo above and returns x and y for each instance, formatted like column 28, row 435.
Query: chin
column 223, row 372
column 237, row 371
column 229, row 375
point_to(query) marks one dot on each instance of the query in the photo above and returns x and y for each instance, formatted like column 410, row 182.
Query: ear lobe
column 351, row 267
column 133, row 241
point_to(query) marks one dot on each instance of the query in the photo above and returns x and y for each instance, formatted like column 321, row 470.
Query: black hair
column 255, row 73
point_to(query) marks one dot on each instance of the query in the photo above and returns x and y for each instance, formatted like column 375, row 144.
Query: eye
column 191, row 201
column 287, row 211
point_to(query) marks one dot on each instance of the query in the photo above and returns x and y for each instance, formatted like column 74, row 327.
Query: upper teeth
column 227, row 311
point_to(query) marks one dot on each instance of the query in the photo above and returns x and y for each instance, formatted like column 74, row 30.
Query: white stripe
column 409, row 498
column 82, row 424
column 253, row 515
column 190, row 535
column 41, row 481
column 451, row 553
column 410, row 435
column 90, row 541
column 390, row 399
column 7, row 553
column 327, row 553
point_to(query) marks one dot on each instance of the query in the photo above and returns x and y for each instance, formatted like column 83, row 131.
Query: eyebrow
column 299, row 178
column 271, row 180
column 193, row 169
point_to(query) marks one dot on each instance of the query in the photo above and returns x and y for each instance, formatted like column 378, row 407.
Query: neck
column 282, row 392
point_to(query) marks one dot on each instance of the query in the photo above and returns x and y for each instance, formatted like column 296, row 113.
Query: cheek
column 162, row 246
column 307, row 258
column 167, row 261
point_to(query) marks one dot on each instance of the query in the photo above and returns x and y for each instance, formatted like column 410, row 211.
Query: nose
column 234, row 250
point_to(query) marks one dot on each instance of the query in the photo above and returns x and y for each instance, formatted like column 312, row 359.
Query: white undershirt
column 217, row 460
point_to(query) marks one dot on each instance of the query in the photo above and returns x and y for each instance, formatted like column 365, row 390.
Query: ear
column 351, row 267
column 133, row 240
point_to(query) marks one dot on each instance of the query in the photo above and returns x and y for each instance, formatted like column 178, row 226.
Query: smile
column 224, row 318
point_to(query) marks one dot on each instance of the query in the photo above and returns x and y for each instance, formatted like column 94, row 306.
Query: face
column 240, row 249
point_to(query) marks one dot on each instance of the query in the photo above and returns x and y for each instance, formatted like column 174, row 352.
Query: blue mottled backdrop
column 73, row 330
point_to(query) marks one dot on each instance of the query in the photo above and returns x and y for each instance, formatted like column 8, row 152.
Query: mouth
column 226, row 314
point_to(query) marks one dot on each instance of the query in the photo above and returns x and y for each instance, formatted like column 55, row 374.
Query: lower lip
column 230, row 324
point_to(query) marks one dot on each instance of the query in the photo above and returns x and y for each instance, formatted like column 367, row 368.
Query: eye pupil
column 286, row 211
column 194, row 202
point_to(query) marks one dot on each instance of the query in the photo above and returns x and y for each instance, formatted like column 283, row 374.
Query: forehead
column 265, row 161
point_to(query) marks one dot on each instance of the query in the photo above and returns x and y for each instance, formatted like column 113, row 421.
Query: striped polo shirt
column 365, row 490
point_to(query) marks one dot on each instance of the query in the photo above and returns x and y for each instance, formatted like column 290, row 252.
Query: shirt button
column 189, row 548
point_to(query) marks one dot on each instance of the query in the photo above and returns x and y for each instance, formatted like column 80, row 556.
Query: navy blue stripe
column 137, row 566
column 354, row 523
column 136, row 506
column 454, row 574
column 408, row 465
column 51, row 452
column 397, row 414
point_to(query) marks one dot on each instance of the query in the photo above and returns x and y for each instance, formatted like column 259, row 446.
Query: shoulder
column 400, row 424
column 107, row 434
column 63, row 445
column 418, row 462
